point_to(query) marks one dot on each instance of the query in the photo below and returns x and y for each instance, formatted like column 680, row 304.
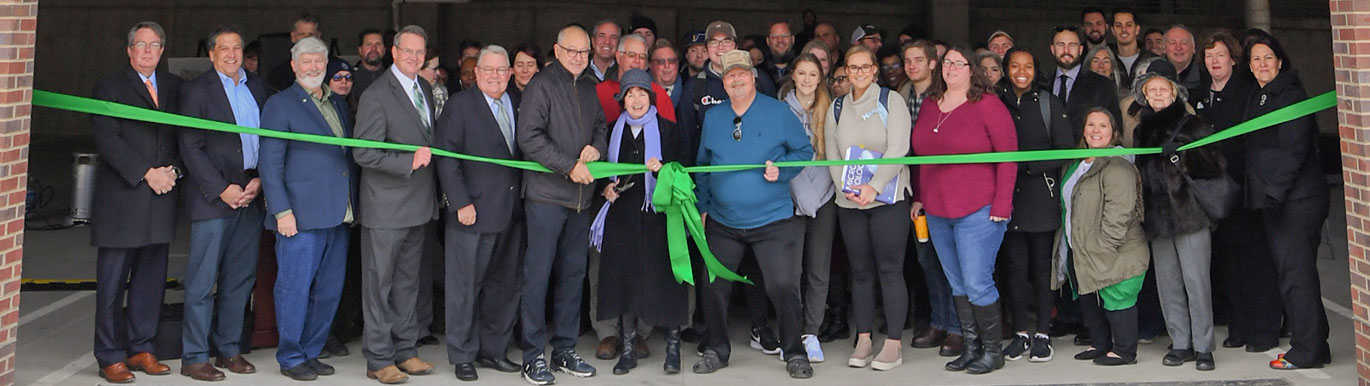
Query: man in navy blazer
column 484, row 219
column 225, row 218
column 310, row 192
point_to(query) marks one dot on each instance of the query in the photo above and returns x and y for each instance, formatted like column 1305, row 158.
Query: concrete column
column 1258, row 14
column 950, row 20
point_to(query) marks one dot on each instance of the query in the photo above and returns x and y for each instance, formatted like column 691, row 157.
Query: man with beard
column 696, row 54
column 1095, row 26
column 371, row 65
column 781, row 52
column 310, row 191
column 605, row 40
column 1126, row 30
column 1079, row 89
column 1179, row 50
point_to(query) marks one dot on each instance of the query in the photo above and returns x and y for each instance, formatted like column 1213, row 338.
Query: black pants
column 1114, row 331
column 758, row 307
column 554, row 264
column 138, row 274
column 876, row 239
column 1242, row 261
column 1293, row 230
column 1028, row 271
column 778, row 251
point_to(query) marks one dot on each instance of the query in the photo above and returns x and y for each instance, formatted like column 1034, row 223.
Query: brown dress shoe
column 202, row 372
column 416, row 366
column 608, row 348
column 952, row 346
column 147, row 363
column 236, row 364
column 640, row 347
column 389, row 375
column 116, row 373
column 929, row 338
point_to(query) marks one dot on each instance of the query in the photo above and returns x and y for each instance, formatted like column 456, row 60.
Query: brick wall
column 1351, row 56
column 18, row 23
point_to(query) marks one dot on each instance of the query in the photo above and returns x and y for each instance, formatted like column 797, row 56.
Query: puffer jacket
column 558, row 116
column 1106, row 235
column 1170, row 206
column 1282, row 160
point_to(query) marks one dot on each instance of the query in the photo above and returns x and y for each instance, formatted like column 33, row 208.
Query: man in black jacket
column 562, row 127
column 134, row 214
column 1079, row 88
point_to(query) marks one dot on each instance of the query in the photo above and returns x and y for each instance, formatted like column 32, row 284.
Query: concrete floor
column 56, row 328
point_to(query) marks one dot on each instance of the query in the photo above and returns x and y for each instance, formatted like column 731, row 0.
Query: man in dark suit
column 484, row 226
column 225, row 220
column 398, row 198
column 310, row 190
column 1078, row 87
column 134, row 216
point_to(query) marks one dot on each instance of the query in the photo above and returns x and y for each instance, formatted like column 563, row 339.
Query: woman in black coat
column 635, row 278
column 1036, row 205
column 1175, row 224
column 1284, row 184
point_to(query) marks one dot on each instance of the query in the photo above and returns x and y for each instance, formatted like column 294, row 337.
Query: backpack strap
column 1045, row 105
column 885, row 98
column 837, row 109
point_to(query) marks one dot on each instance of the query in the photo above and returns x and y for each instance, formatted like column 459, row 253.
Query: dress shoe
column 202, row 372
column 237, row 364
column 640, row 349
column 1204, row 361
column 690, row 335
column 301, row 372
column 1177, row 357
column 116, row 373
column 1252, row 347
column 427, row 340
column 503, row 365
column 147, row 363
column 952, row 345
column 389, row 375
column 1233, row 342
column 333, row 348
column 415, row 366
column 320, row 367
column 929, row 338
column 608, row 348
column 467, row 372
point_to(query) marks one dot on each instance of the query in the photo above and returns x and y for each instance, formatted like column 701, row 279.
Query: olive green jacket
column 1106, row 233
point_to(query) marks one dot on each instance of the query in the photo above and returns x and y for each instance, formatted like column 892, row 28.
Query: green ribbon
column 675, row 189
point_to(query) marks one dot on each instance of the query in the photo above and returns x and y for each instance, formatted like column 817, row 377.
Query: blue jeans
column 309, row 278
column 943, row 312
column 967, row 247
column 222, row 251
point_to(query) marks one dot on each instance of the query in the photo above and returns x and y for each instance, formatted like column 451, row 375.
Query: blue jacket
column 701, row 93
column 744, row 199
column 314, row 181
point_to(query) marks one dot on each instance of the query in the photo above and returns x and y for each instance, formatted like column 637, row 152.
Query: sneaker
column 763, row 339
column 536, row 372
column 571, row 363
column 1017, row 347
column 1041, row 349
column 813, row 348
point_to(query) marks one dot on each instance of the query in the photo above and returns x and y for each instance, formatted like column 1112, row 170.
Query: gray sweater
column 863, row 125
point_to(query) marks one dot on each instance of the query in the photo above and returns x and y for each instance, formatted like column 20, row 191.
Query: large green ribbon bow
column 675, row 195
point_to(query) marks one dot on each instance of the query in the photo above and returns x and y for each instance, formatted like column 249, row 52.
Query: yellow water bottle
column 920, row 226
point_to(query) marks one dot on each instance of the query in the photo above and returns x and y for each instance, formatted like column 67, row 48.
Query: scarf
column 652, row 138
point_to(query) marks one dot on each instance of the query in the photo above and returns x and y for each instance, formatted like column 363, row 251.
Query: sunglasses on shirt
column 737, row 129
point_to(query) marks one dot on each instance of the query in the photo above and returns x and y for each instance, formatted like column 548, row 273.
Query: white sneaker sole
column 560, row 369
column 859, row 362
column 1041, row 359
column 757, row 345
column 882, row 366
column 530, row 380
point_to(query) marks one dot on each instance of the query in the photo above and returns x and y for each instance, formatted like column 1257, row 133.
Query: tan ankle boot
column 862, row 356
column 890, row 356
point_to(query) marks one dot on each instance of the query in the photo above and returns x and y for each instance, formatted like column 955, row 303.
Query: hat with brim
column 736, row 59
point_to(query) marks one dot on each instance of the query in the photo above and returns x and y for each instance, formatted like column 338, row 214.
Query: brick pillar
column 18, row 21
column 1351, row 56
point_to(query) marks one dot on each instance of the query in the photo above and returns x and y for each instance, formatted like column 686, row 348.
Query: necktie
column 502, row 118
column 1061, row 88
column 420, row 105
column 152, row 90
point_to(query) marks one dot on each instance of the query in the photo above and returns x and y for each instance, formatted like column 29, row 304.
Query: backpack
column 837, row 104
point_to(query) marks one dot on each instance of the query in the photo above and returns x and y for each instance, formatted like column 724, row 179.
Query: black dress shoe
column 1252, row 347
column 503, row 365
column 334, row 347
column 1177, row 357
column 690, row 335
column 428, row 340
column 1233, row 342
column 301, row 372
column 466, row 372
column 1204, row 361
column 320, row 367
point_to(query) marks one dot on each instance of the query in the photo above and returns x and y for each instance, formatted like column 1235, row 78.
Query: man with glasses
column 562, row 128
column 398, row 198
column 706, row 89
column 632, row 55
column 605, row 40
column 868, row 36
column 751, row 210
column 781, row 52
column 484, row 226
column 665, row 63
column 1079, row 89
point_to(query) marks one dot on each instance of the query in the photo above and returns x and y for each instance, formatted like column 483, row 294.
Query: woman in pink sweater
column 968, row 205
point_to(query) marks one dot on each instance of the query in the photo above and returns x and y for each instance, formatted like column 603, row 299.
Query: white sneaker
column 814, row 349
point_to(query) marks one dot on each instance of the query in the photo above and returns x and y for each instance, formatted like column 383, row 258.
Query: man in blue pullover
column 751, row 209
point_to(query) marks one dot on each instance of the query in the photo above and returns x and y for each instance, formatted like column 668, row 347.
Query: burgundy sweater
column 954, row 191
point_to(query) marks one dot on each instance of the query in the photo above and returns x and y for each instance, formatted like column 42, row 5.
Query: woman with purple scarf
column 635, row 279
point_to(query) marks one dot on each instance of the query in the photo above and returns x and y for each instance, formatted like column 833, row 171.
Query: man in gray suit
column 398, row 199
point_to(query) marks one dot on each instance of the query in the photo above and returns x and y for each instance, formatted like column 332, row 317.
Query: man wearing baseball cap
column 751, row 209
column 696, row 54
column 869, row 36
column 705, row 90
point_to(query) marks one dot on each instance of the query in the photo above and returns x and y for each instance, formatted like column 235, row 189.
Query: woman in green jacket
column 1101, row 251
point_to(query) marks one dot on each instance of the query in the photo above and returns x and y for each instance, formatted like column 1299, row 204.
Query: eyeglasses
column 633, row 55
column 410, row 53
column 892, row 66
column 737, row 129
column 494, row 70
column 861, row 68
column 779, row 36
column 722, row 42
column 955, row 65
column 145, row 45
column 837, row 79
column 575, row 53
column 341, row 77
column 665, row 61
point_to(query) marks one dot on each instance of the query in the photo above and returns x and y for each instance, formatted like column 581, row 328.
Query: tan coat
column 1107, row 239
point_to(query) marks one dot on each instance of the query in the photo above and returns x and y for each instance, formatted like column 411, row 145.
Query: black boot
column 988, row 319
column 672, row 365
column 837, row 329
column 628, row 361
column 969, row 332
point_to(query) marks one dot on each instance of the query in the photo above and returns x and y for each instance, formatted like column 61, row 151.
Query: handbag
column 1216, row 196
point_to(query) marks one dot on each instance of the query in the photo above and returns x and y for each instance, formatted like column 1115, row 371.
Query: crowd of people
column 402, row 248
